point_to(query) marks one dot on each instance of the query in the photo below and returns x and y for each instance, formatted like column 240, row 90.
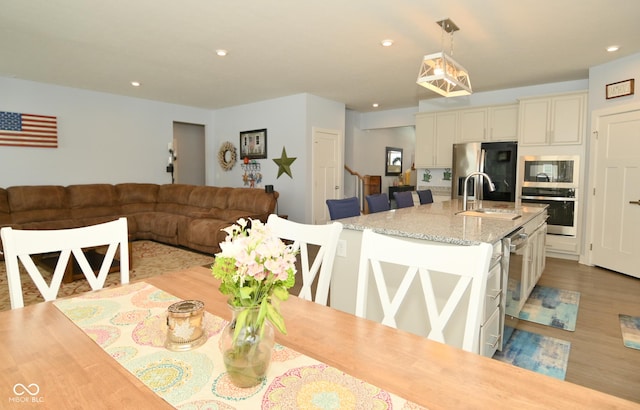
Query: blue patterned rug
column 541, row 354
column 630, row 327
column 552, row 307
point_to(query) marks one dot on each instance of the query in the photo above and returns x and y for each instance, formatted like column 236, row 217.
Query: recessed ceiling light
column 135, row 83
column 387, row 43
column 221, row 52
column 375, row 105
column 611, row 49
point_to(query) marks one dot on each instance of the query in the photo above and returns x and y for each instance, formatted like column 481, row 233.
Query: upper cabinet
column 552, row 120
column 435, row 136
column 473, row 125
column 503, row 122
column 495, row 123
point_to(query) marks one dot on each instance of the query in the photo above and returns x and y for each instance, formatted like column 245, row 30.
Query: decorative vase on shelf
column 246, row 347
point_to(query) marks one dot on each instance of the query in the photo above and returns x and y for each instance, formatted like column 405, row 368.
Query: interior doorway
column 616, row 200
column 327, row 171
column 188, row 142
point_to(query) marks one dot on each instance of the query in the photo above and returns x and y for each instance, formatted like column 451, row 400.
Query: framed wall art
column 620, row 89
column 253, row 144
column 393, row 161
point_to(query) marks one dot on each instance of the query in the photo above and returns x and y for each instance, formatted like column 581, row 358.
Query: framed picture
column 393, row 161
column 620, row 89
column 253, row 144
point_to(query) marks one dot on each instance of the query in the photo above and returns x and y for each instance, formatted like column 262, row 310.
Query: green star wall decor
column 284, row 163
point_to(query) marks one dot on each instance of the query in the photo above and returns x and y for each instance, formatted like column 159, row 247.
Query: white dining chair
column 466, row 271
column 302, row 235
column 20, row 245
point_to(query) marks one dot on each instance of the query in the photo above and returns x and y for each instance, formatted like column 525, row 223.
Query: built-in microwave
column 553, row 181
column 557, row 171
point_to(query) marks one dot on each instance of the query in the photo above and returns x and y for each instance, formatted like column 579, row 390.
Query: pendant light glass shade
column 442, row 74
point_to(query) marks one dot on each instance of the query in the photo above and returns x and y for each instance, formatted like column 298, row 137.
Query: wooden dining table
column 46, row 361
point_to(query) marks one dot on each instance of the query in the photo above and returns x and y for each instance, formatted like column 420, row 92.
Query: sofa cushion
column 93, row 201
column 208, row 197
column 35, row 203
column 168, row 227
column 137, row 197
column 176, row 214
column 5, row 214
column 174, row 199
column 254, row 201
column 205, row 234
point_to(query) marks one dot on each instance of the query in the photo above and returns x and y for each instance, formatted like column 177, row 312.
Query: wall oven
column 553, row 180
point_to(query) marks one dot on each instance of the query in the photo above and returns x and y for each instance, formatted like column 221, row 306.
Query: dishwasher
column 513, row 246
column 525, row 248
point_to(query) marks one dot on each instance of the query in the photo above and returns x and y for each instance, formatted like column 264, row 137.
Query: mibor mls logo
column 26, row 394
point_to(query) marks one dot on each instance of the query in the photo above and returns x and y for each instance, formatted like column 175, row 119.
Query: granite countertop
column 438, row 222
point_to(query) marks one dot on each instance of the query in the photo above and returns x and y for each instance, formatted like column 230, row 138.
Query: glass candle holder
column 185, row 325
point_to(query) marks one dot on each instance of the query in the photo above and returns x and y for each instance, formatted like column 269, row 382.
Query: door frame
column 592, row 153
column 179, row 141
column 339, row 165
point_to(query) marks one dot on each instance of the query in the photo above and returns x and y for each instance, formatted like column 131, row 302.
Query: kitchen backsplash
column 434, row 176
column 436, row 179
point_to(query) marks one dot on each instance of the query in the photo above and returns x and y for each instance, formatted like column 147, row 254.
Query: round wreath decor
column 225, row 164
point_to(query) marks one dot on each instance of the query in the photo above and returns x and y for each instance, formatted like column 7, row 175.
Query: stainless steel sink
column 491, row 213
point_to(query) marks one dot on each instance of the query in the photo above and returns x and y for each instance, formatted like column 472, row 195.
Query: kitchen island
column 442, row 222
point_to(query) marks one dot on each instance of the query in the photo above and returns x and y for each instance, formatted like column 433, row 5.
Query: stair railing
column 359, row 186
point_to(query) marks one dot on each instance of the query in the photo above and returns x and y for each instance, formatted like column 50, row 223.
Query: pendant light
column 439, row 72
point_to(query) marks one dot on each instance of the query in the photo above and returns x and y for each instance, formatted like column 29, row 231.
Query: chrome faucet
column 465, row 198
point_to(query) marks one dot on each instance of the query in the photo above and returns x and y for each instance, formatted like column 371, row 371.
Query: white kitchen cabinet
column 472, row 125
column 493, row 123
column 503, row 122
column 435, row 135
column 491, row 327
column 563, row 246
column 534, row 258
column 552, row 120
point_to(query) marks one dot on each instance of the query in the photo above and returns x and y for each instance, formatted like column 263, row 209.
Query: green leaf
column 281, row 292
column 245, row 292
column 241, row 319
column 276, row 318
column 262, row 313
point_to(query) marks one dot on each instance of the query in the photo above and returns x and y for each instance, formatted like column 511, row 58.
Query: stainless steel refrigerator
column 496, row 159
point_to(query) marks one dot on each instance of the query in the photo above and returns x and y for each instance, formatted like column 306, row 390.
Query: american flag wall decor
column 28, row 130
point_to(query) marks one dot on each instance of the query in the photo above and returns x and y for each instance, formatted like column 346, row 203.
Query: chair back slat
column 20, row 245
column 423, row 264
column 303, row 235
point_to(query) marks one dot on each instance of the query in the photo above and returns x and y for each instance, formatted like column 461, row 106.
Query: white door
column 326, row 172
column 617, row 194
column 188, row 141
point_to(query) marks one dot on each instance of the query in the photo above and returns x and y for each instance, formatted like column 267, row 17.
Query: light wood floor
column 598, row 358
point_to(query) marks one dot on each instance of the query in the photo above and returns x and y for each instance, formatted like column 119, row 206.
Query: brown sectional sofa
column 176, row 214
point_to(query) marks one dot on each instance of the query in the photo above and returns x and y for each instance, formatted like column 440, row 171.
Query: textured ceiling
column 328, row 48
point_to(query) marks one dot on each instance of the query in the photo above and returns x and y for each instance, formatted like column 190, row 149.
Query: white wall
column 288, row 121
column 102, row 138
column 366, row 150
column 619, row 70
column 388, row 118
column 106, row 138
column 599, row 76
